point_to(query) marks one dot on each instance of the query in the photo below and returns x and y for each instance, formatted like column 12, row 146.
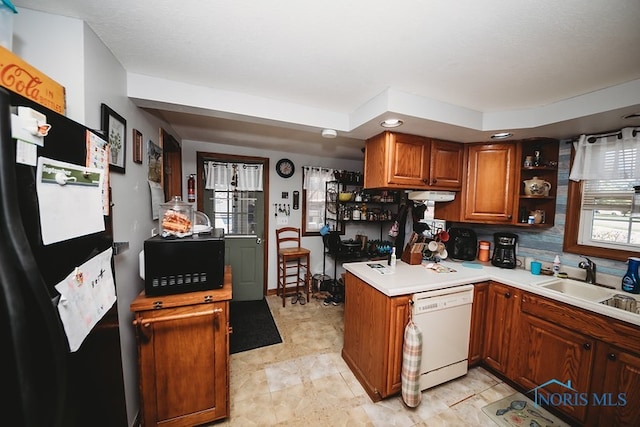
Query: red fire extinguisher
column 191, row 188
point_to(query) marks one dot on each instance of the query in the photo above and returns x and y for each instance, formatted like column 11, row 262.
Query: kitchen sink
column 580, row 290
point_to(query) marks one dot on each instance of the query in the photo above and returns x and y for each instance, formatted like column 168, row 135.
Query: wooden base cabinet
column 183, row 356
column 374, row 326
column 503, row 309
column 599, row 355
column 478, row 321
column 551, row 352
column 621, row 375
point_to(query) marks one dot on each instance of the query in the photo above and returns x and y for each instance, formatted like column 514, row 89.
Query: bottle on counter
column 392, row 258
column 631, row 279
column 556, row 265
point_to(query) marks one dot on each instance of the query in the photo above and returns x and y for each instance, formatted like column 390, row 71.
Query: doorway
column 242, row 215
column 172, row 161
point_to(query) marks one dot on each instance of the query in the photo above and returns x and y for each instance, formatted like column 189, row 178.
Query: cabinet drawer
column 604, row 328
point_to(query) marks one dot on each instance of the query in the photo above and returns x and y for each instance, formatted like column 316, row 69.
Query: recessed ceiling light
column 391, row 123
column 329, row 133
column 632, row 116
column 501, row 135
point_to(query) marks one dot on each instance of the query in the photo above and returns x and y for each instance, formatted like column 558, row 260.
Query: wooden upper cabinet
column 447, row 164
column 490, row 183
column 396, row 160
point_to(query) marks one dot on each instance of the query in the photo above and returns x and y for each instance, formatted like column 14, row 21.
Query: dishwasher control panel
column 442, row 299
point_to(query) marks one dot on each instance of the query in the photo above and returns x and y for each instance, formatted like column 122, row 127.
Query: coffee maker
column 504, row 252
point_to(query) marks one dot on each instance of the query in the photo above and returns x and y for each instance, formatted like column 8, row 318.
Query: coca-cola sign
column 23, row 79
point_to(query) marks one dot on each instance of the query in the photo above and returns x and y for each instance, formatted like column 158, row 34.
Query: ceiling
column 280, row 71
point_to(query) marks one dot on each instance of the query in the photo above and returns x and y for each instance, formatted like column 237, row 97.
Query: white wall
column 68, row 51
column 276, row 186
column 54, row 45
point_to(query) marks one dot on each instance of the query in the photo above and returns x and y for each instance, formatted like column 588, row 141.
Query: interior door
column 242, row 216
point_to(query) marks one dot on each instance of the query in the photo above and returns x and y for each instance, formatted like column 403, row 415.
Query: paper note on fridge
column 69, row 200
column 86, row 295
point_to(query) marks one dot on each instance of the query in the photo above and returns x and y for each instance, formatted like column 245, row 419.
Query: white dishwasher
column 444, row 318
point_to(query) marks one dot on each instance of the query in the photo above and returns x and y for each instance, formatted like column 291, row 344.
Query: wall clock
column 285, row 168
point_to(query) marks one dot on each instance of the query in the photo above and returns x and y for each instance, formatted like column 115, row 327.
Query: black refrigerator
column 44, row 382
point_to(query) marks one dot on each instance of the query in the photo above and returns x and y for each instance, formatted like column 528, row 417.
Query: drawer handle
column 586, row 346
column 507, row 294
column 612, row 357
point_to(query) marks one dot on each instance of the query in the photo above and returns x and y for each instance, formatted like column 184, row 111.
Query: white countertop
column 407, row 279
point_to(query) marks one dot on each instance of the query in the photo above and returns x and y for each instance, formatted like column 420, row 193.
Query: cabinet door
column 446, row 165
column 478, row 310
column 502, row 302
column 621, row 389
column 549, row 352
column 409, row 160
column 399, row 318
column 183, row 359
column 490, row 183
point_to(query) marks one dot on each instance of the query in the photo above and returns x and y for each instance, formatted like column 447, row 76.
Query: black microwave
column 179, row 265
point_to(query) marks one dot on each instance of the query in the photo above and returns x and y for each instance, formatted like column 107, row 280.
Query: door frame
column 201, row 157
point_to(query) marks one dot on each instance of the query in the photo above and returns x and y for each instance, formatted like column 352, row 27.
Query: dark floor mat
column 253, row 326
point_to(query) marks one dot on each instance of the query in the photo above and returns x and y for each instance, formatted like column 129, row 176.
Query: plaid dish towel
column 411, row 358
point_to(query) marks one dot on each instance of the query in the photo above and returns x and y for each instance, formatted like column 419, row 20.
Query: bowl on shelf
column 345, row 196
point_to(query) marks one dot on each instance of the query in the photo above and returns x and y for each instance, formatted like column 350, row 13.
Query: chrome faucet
column 590, row 267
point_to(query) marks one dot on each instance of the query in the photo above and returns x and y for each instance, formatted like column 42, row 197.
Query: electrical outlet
column 283, row 220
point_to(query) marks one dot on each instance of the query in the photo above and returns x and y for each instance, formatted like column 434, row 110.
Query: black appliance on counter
column 48, row 384
column 504, row 252
column 178, row 265
column 462, row 244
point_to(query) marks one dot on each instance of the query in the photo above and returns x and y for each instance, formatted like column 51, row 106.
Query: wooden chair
column 293, row 265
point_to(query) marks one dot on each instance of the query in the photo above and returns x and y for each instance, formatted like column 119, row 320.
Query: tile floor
column 304, row 382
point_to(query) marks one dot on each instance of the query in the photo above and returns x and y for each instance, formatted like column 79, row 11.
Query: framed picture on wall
column 137, row 146
column 115, row 128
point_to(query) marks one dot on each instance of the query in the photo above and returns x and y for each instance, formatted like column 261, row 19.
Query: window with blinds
column 606, row 219
column 608, row 195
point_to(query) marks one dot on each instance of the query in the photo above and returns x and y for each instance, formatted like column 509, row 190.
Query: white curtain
column 217, row 176
column 233, row 176
column 249, row 177
column 315, row 179
column 607, row 157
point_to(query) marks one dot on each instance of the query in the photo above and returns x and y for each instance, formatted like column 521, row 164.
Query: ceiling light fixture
column 391, row 123
column 329, row 133
column 501, row 135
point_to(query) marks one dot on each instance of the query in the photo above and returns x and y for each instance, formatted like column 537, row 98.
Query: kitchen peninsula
column 567, row 337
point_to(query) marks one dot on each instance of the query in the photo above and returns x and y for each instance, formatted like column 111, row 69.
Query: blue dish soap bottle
column 631, row 280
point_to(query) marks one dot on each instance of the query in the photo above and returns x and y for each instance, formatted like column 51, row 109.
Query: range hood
column 436, row 196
